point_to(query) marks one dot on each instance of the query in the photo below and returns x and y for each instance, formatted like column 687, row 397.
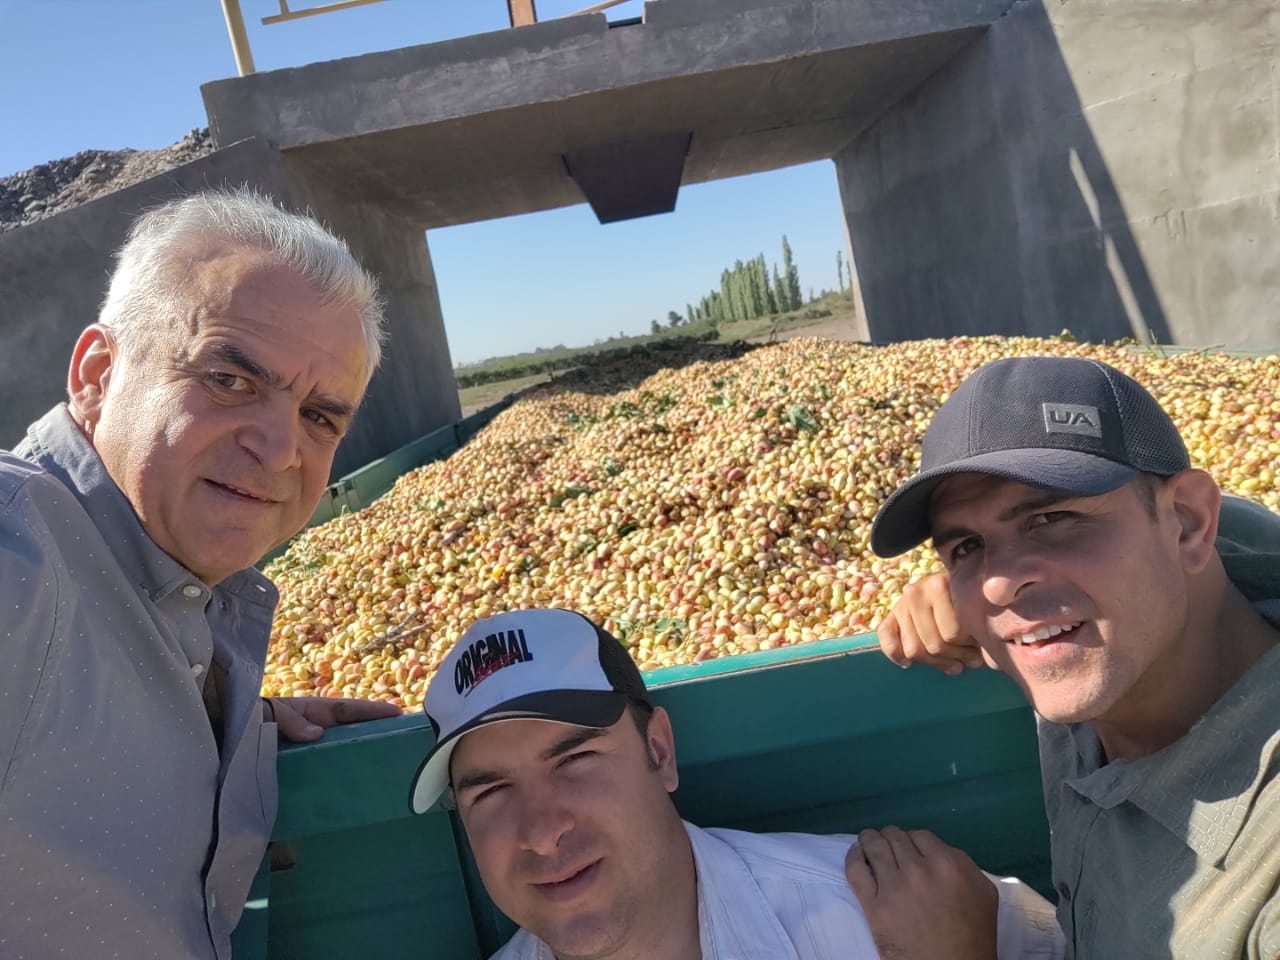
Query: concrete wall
column 53, row 275
column 1107, row 166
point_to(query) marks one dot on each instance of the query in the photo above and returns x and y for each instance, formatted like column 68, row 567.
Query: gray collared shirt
column 133, row 814
column 1176, row 855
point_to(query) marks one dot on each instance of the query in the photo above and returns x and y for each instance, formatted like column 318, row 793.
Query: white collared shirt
column 783, row 896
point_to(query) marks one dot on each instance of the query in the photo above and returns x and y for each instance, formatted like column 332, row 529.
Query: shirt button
column 198, row 669
column 191, row 591
column 1064, row 892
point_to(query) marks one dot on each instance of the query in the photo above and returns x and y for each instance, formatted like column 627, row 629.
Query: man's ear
column 661, row 743
column 1195, row 500
column 92, row 360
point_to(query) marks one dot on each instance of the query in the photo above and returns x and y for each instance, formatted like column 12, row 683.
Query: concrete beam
column 475, row 128
column 414, row 391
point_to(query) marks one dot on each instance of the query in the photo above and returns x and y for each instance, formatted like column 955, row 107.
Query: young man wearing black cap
column 561, row 770
column 1081, row 553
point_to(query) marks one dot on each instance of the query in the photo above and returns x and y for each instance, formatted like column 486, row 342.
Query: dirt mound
column 60, row 185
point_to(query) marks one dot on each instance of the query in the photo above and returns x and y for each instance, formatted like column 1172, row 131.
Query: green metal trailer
column 826, row 737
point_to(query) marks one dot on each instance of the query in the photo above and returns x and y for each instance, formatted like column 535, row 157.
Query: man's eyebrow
column 568, row 743
column 572, row 742
column 1045, row 499
column 950, row 534
column 332, row 406
column 232, row 355
column 478, row 778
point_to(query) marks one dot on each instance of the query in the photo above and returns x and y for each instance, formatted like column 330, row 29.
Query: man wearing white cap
column 561, row 770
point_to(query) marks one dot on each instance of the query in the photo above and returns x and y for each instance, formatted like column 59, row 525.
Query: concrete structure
column 1108, row 166
column 479, row 127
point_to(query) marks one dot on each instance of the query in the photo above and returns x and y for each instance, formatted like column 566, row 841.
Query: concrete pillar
column 1106, row 166
column 414, row 390
column 861, row 329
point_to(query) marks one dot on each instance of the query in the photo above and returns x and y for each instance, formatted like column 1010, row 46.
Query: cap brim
column 580, row 708
column 903, row 521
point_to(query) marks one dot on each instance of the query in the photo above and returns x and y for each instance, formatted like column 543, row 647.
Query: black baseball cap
column 1059, row 423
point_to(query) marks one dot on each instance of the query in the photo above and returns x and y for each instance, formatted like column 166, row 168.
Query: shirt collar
column 732, row 909
column 1202, row 786
column 56, row 443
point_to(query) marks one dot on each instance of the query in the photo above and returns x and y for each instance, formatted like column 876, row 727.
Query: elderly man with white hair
column 137, row 762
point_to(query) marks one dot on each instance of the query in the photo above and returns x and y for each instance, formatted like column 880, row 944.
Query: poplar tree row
column 748, row 290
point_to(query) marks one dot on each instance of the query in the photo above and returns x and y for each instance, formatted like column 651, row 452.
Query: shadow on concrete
column 1099, row 249
column 982, row 203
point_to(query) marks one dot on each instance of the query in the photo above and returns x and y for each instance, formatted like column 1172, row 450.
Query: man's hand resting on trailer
column 922, row 628
column 302, row 719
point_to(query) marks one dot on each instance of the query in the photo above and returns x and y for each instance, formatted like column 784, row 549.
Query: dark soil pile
column 59, row 185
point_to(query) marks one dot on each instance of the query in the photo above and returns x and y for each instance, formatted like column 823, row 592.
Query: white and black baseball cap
column 1059, row 423
column 523, row 665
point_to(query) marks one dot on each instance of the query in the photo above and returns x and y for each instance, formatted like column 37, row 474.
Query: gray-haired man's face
column 222, row 430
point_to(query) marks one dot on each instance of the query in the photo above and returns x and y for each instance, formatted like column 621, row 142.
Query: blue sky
column 107, row 74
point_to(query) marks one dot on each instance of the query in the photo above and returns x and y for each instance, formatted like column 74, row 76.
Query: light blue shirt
column 137, row 778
